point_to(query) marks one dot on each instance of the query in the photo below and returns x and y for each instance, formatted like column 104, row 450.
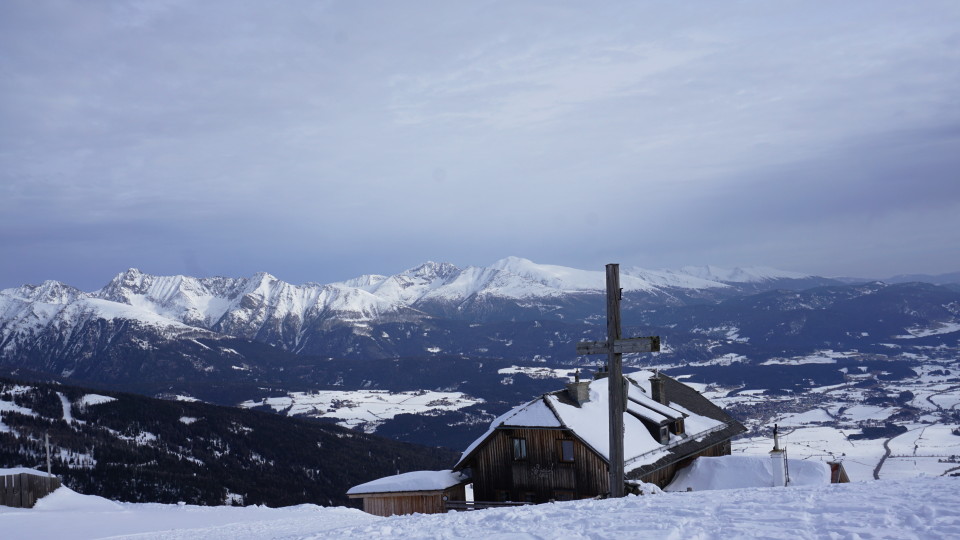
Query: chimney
column 578, row 391
column 656, row 389
column 602, row 371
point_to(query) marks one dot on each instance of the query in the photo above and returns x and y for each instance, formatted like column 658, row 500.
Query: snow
column 820, row 357
column 242, row 307
column 735, row 472
column 363, row 408
column 9, row 406
column 21, row 470
column 67, row 408
column 411, row 481
column 95, row 399
column 589, row 420
column 750, row 274
column 915, row 508
column 535, row 372
column 809, row 417
column 942, row 328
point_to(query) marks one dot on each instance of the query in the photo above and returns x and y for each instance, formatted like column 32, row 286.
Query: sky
column 319, row 141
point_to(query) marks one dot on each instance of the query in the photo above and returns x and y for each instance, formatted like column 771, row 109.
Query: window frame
column 562, row 455
column 519, row 449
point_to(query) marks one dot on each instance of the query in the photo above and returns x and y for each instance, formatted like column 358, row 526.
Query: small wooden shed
column 21, row 487
column 422, row 492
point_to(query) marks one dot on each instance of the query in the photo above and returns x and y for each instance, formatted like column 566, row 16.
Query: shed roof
column 410, row 481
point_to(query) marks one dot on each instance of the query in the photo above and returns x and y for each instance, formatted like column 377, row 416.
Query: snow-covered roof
column 411, row 481
column 21, row 470
column 732, row 472
column 589, row 420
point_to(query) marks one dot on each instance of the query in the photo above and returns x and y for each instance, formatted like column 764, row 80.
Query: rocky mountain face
column 483, row 331
column 57, row 320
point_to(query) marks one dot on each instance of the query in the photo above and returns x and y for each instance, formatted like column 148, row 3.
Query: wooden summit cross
column 614, row 347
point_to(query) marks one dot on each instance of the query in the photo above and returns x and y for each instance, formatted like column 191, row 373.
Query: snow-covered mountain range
column 269, row 310
column 493, row 336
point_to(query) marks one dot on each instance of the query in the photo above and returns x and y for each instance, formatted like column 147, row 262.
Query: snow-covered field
column 915, row 508
column 364, row 409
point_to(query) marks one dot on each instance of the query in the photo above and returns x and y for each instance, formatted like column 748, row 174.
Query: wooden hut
column 422, row 492
column 22, row 487
column 556, row 446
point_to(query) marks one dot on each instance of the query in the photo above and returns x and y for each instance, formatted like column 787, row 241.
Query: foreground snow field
column 919, row 508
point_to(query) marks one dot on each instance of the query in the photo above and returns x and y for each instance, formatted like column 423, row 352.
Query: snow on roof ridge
column 582, row 420
column 410, row 481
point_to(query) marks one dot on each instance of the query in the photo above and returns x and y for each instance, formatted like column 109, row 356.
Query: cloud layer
column 322, row 140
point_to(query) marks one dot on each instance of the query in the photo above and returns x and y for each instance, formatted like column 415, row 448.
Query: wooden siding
column 22, row 490
column 542, row 476
column 409, row 502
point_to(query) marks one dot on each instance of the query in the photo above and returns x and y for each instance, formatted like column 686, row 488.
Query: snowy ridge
column 272, row 311
column 751, row 274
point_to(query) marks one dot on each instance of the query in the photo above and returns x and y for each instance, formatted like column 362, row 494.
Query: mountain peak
column 263, row 277
column 512, row 261
column 49, row 292
column 431, row 269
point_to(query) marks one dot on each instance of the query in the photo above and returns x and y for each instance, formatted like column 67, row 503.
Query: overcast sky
column 322, row 140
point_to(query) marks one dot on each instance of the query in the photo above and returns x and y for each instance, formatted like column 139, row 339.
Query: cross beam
column 621, row 346
column 614, row 347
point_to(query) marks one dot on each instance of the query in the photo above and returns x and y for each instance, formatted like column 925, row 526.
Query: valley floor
column 909, row 508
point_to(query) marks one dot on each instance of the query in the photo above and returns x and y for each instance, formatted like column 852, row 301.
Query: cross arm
column 620, row 346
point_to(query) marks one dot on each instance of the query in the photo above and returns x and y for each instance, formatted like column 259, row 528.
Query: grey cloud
column 305, row 138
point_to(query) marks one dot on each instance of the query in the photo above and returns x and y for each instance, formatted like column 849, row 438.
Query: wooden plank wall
column 22, row 490
column 542, row 474
column 395, row 505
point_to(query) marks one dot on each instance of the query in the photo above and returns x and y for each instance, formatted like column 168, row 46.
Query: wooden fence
column 22, row 490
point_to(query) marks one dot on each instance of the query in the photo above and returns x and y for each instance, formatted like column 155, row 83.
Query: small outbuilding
column 21, row 487
column 422, row 492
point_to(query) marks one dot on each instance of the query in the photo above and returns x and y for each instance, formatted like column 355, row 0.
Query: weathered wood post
column 614, row 347
column 615, row 381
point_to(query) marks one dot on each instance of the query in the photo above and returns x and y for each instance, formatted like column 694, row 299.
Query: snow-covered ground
column 364, row 409
column 536, row 372
column 914, row 508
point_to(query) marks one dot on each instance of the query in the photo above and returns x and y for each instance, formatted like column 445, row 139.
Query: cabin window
column 519, row 449
column 566, row 451
column 664, row 434
column 678, row 427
